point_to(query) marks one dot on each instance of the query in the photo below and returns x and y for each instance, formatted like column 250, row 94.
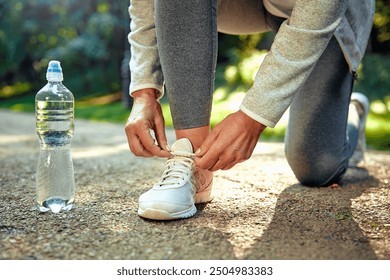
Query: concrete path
column 259, row 210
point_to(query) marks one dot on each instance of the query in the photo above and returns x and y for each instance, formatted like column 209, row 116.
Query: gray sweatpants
column 318, row 144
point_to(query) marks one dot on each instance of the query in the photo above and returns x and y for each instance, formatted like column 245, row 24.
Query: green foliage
column 382, row 20
column 15, row 90
column 374, row 81
column 12, row 52
column 374, row 76
column 88, row 37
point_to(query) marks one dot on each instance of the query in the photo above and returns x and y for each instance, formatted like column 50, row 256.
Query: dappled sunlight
column 379, row 107
column 246, row 69
column 220, row 94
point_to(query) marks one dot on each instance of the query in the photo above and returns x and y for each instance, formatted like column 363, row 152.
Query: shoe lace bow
column 176, row 168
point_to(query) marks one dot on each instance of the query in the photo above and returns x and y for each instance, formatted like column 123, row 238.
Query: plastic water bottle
column 54, row 110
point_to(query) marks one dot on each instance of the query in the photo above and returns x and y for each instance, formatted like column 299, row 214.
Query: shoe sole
column 162, row 215
column 158, row 214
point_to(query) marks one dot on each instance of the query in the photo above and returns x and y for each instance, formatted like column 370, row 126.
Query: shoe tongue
column 182, row 145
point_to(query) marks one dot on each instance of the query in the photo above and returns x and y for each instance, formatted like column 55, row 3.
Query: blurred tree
column 86, row 36
column 12, row 52
column 374, row 71
column 380, row 35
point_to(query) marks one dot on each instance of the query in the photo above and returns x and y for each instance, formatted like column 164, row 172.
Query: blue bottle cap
column 54, row 72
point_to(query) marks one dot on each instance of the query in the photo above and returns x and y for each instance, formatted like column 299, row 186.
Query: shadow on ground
column 312, row 224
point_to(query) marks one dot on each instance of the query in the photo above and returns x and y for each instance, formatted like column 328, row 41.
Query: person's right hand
column 146, row 116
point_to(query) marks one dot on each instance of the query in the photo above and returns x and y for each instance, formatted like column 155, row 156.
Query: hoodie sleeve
column 145, row 65
column 297, row 46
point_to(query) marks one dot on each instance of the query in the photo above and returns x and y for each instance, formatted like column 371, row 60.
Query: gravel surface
column 259, row 211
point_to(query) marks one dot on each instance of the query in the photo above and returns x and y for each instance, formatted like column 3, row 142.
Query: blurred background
column 89, row 37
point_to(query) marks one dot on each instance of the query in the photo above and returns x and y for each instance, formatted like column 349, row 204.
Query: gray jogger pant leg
column 317, row 145
column 187, row 41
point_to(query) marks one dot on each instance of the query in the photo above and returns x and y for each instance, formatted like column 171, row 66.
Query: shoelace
column 176, row 168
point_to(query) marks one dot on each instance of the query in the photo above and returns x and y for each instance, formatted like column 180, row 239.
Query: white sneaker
column 179, row 188
column 363, row 107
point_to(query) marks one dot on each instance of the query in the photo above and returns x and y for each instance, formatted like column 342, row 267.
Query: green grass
column 23, row 103
column 378, row 131
column 88, row 108
column 103, row 112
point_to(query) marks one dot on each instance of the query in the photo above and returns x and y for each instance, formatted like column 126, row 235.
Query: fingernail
column 197, row 152
column 167, row 147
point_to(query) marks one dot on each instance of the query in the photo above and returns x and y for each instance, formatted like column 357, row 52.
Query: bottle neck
column 54, row 82
column 54, row 76
column 45, row 146
column 49, row 144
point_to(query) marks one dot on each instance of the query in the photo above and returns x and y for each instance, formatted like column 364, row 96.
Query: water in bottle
column 54, row 109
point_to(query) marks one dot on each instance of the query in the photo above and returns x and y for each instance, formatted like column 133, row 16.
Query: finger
column 229, row 165
column 135, row 143
column 217, row 166
column 206, row 164
column 224, row 163
column 136, row 146
column 207, row 143
column 210, row 159
column 160, row 135
column 149, row 144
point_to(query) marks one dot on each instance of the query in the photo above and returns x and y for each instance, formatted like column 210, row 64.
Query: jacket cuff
column 159, row 88
column 257, row 117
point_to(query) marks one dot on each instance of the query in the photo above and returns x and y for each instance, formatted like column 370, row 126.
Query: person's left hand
column 231, row 141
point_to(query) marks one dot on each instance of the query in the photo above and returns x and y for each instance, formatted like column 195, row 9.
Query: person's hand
column 146, row 116
column 231, row 141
